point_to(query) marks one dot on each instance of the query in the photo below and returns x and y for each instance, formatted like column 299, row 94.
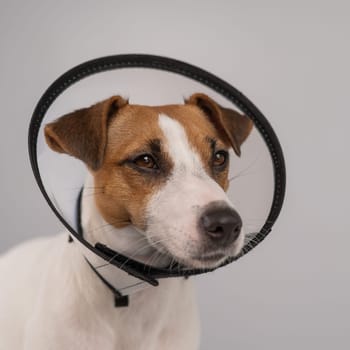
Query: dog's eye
column 145, row 161
column 220, row 158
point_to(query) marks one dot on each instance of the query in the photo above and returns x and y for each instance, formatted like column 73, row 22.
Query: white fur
column 50, row 299
column 172, row 212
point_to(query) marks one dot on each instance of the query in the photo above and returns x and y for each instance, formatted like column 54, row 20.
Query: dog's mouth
column 211, row 257
column 206, row 260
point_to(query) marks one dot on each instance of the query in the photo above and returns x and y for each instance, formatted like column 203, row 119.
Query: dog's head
column 162, row 169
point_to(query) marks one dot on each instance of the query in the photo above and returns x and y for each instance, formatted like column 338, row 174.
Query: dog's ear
column 233, row 126
column 83, row 133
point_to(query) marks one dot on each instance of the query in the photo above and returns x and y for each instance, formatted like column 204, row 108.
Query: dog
column 156, row 192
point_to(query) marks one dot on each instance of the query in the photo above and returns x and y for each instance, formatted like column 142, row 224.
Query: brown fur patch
column 232, row 126
column 83, row 133
column 125, row 191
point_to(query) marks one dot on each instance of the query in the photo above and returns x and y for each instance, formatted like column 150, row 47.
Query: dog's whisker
column 122, row 252
column 249, row 240
column 235, row 177
column 113, row 257
column 149, row 261
column 243, row 172
column 133, row 255
column 160, row 257
column 104, row 226
column 84, row 195
column 155, row 258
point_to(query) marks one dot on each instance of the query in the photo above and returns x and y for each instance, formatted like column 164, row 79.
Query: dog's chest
column 76, row 311
column 158, row 318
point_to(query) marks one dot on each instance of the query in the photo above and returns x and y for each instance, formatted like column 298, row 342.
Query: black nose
column 221, row 225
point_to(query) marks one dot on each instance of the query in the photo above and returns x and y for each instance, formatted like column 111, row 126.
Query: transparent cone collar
column 256, row 178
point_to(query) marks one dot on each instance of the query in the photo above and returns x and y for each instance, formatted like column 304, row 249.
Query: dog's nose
column 221, row 225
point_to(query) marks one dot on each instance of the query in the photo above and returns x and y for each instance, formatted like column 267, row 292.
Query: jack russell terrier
column 156, row 193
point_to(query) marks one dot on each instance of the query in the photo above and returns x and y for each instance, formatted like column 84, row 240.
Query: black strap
column 78, row 213
column 119, row 299
column 78, row 217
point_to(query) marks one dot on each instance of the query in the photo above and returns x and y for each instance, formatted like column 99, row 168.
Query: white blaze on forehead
column 189, row 183
column 178, row 147
column 173, row 211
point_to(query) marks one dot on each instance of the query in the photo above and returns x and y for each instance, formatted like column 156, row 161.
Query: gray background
column 290, row 58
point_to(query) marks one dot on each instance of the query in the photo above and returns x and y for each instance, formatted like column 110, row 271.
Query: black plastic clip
column 121, row 301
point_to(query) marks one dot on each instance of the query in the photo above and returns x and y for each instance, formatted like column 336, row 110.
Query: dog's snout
column 221, row 225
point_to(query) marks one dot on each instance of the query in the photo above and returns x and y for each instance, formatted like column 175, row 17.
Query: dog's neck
column 128, row 241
